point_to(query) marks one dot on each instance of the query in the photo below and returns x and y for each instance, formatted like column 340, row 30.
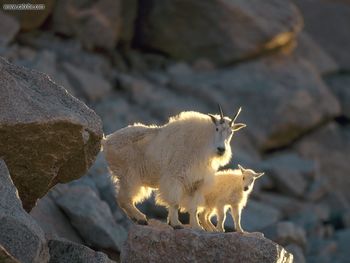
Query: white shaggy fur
column 179, row 159
column 231, row 189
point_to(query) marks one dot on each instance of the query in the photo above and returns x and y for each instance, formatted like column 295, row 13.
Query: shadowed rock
column 46, row 135
column 19, row 233
column 63, row 251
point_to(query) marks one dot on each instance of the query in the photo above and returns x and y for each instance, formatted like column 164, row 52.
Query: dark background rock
column 210, row 29
column 31, row 19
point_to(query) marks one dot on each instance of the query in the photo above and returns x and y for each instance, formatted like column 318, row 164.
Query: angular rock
column 31, row 18
column 53, row 221
column 59, row 135
column 95, row 23
column 290, row 172
column 92, row 86
column 163, row 244
column 63, row 251
column 326, row 24
column 343, row 239
column 339, row 84
column 308, row 49
column 282, row 97
column 258, row 215
column 285, row 233
column 9, row 27
column 92, row 218
column 5, row 257
column 298, row 255
column 330, row 148
column 221, row 31
column 19, row 233
column 287, row 205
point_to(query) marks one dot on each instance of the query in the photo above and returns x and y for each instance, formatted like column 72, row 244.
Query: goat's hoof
column 142, row 222
column 178, row 227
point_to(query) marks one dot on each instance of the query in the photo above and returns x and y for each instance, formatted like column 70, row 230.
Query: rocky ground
column 288, row 66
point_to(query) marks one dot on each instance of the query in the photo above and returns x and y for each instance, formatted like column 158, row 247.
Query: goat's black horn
column 238, row 112
column 221, row 113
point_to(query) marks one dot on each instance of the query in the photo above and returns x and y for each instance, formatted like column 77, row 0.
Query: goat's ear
column 238, row 126
column 258, row 175
column 241, row 168
column 213, row 118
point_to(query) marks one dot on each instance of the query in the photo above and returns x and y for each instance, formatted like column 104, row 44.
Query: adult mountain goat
column 179, row 159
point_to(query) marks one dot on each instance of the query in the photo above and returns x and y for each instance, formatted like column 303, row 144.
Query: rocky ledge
column 158, row 242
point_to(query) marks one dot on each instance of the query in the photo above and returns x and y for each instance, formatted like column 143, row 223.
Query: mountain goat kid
column 179, row 159
column 231, row 189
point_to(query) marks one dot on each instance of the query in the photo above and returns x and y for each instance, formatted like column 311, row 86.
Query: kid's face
column 249, row 177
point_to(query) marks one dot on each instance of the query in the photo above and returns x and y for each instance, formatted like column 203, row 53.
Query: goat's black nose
column 221, row 150
column 245, row 188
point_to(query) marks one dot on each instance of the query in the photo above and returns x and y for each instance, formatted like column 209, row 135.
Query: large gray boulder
column 19, row 233
column 282, row 97
column 160, row 243
column 46, row 135
column 222, row 31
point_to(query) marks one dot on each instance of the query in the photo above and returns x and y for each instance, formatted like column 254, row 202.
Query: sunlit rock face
column 46, row 135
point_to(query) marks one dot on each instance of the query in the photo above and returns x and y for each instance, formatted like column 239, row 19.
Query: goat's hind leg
column 126, row 200
column 204, row 220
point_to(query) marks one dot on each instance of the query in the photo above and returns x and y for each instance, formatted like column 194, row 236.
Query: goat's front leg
column 236, row 214
column 221, row 216
column 196, row 199
column 173, row 217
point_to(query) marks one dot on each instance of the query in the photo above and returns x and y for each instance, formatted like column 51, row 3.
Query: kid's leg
column 221, row 216
column 236, row 214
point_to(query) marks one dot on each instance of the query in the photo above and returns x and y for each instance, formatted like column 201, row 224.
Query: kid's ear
column 241, row 168
column 238, row 126
column 213, row 118
column 258, row 175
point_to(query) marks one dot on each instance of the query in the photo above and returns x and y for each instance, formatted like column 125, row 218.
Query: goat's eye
column 243, row 178
column 217, row 129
